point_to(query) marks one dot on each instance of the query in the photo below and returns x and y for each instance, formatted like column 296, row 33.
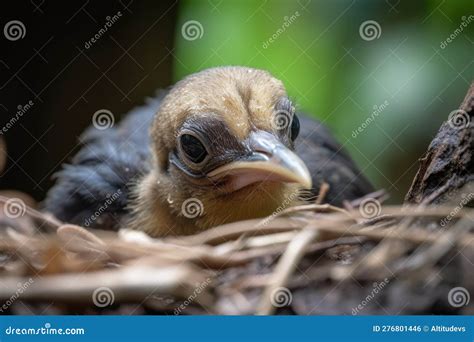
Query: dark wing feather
column 94, row 189
column 328, row 162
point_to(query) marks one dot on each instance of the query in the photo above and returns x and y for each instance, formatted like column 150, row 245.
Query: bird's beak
column 269, row 161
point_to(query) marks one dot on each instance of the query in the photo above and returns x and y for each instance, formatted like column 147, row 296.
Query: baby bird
column 223, row 145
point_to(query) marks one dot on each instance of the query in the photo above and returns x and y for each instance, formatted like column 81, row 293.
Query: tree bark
column 448, row 164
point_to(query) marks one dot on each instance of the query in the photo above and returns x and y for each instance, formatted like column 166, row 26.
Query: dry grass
column 312, row 251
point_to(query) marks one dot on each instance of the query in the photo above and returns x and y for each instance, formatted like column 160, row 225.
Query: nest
column 313, row 259
column 365, row 258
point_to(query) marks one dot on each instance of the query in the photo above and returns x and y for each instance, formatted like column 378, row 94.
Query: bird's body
column 207, row 153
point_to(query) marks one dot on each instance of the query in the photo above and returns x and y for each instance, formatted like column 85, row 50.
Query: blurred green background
column 340, row 78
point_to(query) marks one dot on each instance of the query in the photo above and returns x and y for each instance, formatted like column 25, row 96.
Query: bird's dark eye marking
column 193, row 148
column 295, row 128
column 285, row 119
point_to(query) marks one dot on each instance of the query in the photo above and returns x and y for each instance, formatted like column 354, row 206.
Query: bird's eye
column 295, row 128
column 193, row 148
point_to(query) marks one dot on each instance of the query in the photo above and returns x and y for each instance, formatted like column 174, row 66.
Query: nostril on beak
column 263, row 142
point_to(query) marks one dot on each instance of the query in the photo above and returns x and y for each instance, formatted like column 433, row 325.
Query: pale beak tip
column 303, row 177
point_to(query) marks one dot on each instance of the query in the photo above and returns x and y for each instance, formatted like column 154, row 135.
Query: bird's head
column 223, row 142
